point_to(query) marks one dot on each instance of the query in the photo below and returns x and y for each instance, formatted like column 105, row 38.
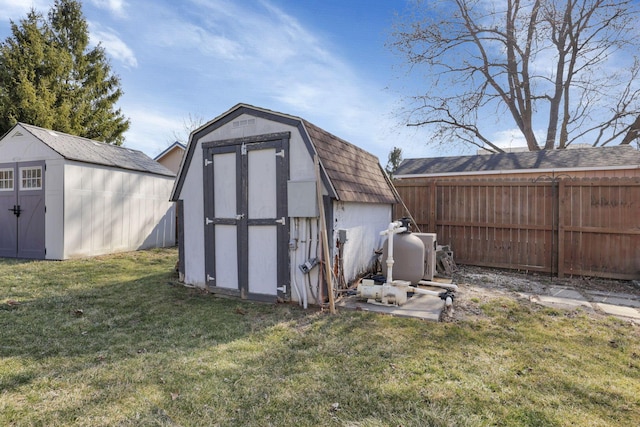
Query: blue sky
column 323, row 60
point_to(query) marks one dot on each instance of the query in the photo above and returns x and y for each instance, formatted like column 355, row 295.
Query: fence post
column 561, row 219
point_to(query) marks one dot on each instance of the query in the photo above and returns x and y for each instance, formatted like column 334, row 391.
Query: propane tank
column 408, row 255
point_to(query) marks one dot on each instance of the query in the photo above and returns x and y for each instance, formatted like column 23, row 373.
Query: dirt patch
column 478, row 285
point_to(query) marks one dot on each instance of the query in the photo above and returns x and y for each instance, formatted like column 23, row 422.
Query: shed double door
column 22, row 210
column 246, row 224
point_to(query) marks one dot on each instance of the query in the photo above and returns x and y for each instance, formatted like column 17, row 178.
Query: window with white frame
column 31, row 178
column 6, row 179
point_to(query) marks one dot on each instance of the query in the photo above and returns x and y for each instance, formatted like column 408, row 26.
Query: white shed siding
column 193, row 202
column 363, row 222
column 25, row 148
column 54, row 201
column 108, row 210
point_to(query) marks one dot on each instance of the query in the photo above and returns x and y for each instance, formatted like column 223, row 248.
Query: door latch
column 16, row 210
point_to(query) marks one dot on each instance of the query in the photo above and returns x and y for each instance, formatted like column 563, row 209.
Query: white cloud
column 116, row 7
column 113, row 44
column 230, row 52
column 18, row 9
column 151, row 131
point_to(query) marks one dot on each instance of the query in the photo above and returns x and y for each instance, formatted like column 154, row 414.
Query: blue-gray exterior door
column 22, row 210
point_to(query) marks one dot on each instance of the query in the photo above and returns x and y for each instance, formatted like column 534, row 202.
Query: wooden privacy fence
column 587, row 227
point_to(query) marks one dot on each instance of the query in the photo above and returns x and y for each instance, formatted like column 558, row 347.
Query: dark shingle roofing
column 580, row 158
column 89, row 151
column 352, row 174
column 355, row 173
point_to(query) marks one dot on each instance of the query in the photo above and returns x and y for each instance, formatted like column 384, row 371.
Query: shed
column 63, row 196
column 171, row 157
column 602, row 162
column 246, row 194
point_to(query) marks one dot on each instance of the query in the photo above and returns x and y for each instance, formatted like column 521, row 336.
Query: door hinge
column 281, row 221
column 280, row 154
column 207, row 221
column 282, row 289
column 210, row 279
column 243, row 149
column 207, row 162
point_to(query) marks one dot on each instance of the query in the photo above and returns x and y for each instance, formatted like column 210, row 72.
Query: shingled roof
column 576, row 159
column 355, row 173
column 352, row 174
column 99, row 153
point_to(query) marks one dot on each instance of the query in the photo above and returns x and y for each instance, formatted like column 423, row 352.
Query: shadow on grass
column 86, row 315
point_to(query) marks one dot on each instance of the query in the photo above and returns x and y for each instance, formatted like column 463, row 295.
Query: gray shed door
column 246, row 224
column 22, row 210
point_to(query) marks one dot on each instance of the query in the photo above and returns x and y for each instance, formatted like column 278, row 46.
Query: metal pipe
column 449, row 286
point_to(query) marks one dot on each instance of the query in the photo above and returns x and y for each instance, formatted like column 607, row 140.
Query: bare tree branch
column 563, row 66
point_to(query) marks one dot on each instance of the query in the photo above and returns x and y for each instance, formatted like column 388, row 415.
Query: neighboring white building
column 246, row 194
column 62, row 196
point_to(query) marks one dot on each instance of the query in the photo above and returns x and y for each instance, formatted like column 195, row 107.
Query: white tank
column 408, row 256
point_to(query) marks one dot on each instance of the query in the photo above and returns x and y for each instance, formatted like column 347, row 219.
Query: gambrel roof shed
column 350, row 173
column 251, row 192
column 64, row 196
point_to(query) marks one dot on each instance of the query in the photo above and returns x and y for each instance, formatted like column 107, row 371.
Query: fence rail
column 587, row 227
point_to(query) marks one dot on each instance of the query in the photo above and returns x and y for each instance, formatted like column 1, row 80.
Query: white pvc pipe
column 394, row 227
column 304, row 251
column 294, row 270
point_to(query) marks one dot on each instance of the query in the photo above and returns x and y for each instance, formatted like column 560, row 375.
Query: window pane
column 31, row 178
column 6, row 179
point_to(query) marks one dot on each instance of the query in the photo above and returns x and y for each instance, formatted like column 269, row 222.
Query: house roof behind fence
column 551, row 160
column 99, row 153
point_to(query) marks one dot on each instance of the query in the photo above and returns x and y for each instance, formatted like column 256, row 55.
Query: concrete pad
column 566, row 303
column 425, row 307
column 616, row 301
column 616, row 310
column 566, row 293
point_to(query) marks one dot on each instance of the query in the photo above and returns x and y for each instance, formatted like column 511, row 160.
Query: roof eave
column 514, row 171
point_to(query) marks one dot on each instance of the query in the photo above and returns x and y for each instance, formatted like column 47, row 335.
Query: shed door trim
column 239, row 151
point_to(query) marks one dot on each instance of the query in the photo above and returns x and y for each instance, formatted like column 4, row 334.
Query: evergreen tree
column 49, row 77
column 394, row 160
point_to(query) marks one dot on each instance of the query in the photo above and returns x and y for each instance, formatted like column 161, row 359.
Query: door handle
column 16, row 210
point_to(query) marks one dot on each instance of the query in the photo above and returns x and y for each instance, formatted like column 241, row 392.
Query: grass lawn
column 113, row 341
